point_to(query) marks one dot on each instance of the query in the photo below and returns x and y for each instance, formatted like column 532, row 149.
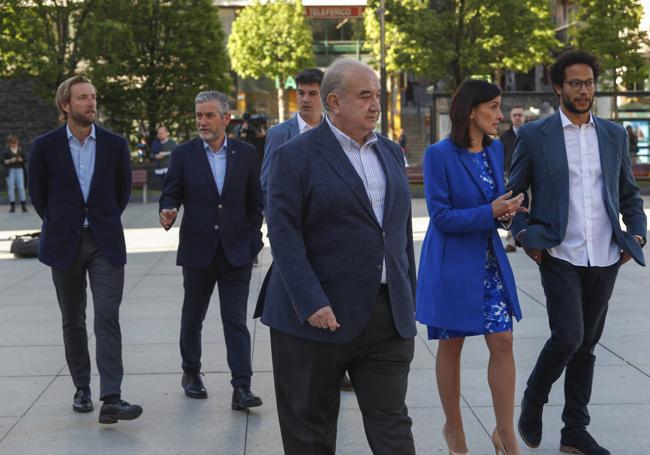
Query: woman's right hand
column 505, row 204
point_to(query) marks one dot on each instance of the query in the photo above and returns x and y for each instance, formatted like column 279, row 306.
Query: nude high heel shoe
column 499, row 448
column 451, row 452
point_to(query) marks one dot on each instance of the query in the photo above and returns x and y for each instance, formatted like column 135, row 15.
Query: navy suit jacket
column 275, row 137
column 450, row 290
column 232, row 219
column 540, row 162
column 328, row 246
column 56, row 196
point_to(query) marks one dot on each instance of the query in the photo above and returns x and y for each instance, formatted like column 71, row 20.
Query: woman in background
column 14, row 162
column 465, row 285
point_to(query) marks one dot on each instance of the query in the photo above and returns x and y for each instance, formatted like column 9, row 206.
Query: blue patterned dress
column 497, row 314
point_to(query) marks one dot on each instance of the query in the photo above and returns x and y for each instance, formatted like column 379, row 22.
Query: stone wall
column 24, row 112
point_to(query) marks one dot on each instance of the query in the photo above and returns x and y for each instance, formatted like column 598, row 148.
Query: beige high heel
column 499, row 448
column 451, row 452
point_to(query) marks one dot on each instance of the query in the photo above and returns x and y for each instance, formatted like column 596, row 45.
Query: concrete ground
column 36, row 390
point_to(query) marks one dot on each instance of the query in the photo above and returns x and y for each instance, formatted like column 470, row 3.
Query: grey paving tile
column 263, row 434
column 5, row 425
column 17, row 394
column 173, row 433
column 31, row 360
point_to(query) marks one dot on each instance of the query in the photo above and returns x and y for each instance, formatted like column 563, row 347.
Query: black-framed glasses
column 576, row 84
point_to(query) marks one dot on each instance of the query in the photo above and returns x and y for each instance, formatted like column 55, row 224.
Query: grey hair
column 213, row 95
column 334, row 79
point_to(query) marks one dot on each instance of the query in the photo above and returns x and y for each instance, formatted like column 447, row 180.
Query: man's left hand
column 625, row 256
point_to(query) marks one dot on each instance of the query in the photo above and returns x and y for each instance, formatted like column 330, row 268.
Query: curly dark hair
column 572, row 57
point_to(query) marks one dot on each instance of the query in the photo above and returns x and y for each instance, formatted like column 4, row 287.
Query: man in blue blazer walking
column 217, row 180
column 80, row 182
column 309, row 115
column 341, row 291
column 578, row 169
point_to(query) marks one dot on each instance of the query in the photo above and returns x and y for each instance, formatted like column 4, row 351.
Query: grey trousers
column 106, row 284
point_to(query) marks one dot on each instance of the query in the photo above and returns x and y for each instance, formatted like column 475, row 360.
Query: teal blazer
column 540, row 163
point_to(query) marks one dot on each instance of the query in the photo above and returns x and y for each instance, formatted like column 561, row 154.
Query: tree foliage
column 43, row 38
column 149, row 59
column 610, row 30
column 271, row 40
column 450, row 40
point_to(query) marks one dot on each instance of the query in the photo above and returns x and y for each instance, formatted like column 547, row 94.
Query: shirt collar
column 371, row 138
column 566, row 122
column 70, row 135
column 302, row 124
column 207, row 147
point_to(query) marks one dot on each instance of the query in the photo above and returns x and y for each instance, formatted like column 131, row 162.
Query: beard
column 82, row 119
column 571, row 107
column 209, row 136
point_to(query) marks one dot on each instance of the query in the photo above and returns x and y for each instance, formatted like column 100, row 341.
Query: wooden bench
column 415, row 174
column 139, row 180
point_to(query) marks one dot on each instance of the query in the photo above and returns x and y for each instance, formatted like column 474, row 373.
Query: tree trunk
column 281, row 101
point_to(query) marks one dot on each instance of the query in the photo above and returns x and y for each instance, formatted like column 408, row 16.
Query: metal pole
column 382, row 69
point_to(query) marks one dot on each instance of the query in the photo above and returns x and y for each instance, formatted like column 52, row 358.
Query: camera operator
column 253, row 130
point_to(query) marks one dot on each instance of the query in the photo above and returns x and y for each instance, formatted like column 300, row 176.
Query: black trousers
column 106, row 284
column 233, row 289
column 576, row 302
column 308, row 376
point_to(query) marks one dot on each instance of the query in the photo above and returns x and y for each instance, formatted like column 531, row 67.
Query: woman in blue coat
column 465, row 284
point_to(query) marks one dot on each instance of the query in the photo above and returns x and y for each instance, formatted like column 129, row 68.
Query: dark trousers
column 233, row 288
column 308, row 375
column 576, row 302
column 106, row 284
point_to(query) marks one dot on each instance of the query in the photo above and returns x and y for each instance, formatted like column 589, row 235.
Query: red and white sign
column 333, row 12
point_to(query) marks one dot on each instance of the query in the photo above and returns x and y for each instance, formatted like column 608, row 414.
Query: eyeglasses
column 576, row 84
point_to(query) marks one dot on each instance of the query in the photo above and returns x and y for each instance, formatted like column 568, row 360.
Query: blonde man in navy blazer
column 80, row 182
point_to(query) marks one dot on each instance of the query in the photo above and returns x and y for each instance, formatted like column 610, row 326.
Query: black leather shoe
column 530, row 424
column 82, row 402
column 193, row 385
column 582, row 443
column 243, row 398
column 346, row 384
column 111, row 413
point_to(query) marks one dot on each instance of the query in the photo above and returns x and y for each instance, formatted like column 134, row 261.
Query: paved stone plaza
column 36, row 391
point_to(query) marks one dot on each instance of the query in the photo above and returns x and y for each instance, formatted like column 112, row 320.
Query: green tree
column 272, row 40
column 43, row 38
column 610, row 30
column 149, row 59
column 450, row 40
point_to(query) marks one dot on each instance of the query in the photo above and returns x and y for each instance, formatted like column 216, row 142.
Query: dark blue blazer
column 275, row 137
column 452, row 261
column 232, row 219
column 540, row 162
column 327, row 244
column 56, row 196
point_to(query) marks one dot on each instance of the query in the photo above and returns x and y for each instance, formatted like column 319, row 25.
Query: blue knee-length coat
column 450, row 288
